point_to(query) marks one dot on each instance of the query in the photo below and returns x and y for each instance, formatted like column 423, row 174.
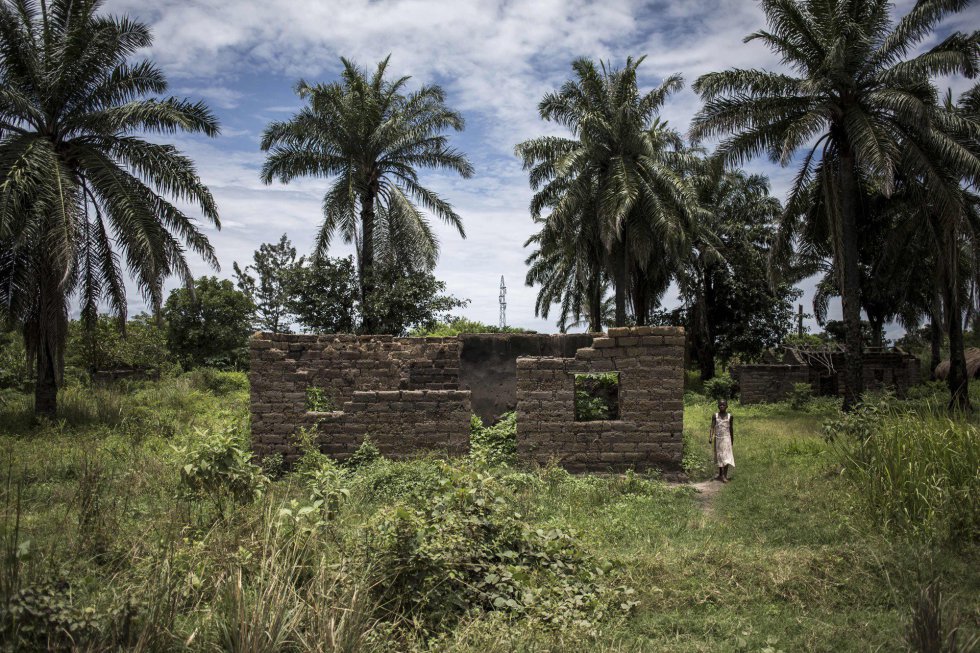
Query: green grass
column 790, row 556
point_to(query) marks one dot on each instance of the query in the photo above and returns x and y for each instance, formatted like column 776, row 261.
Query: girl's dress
column 723, row 441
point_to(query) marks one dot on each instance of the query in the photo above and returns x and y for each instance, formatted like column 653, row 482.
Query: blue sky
column 494, row 58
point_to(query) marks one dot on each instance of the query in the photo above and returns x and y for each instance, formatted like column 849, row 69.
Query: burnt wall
column 488, row 365
column 649, row 432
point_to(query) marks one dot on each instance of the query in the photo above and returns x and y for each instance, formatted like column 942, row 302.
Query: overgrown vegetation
column 111, row 541
column 597, row 396
column 916, row 470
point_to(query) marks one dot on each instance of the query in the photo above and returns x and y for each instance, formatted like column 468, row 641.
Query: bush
column 317, row 400
column 466, row 550
column 366, row 454
column 44, row 617
column 597, row 396
column 800, row 396
column 495, row 445
column 917, row 473
column 326, row 488
column 218, row 466
column 720, row 387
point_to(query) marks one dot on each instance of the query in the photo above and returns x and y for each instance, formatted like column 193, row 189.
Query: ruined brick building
column 773, row 379
column 417, row 394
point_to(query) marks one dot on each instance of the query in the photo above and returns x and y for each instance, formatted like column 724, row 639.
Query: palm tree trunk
column 366, row 262
column 705, row 338
column 641, row 297
column 621, row 279
column 595, row 302
column 47, row 333
column 877, row 323
column 850, row 283
column 959, row 388
column 935, row 334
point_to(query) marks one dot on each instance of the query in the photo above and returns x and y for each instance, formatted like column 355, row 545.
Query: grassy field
column 103, row 540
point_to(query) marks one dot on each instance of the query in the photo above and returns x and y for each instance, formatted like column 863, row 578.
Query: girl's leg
column 724, row 476
column 720, row 476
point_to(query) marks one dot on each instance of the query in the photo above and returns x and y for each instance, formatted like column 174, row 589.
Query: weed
column 496, row 445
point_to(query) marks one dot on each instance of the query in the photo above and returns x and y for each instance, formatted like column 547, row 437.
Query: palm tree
column 855, row 101
column 371, row 138
column 81, row 196
column 617, row 177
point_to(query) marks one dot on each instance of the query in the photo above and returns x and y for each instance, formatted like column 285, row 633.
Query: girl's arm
column 711, row 431
column 731, row 428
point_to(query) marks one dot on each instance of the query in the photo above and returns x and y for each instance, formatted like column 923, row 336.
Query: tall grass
column 917, row 471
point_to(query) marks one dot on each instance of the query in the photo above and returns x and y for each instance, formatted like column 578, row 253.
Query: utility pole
column 503, row 303
column 799, row 320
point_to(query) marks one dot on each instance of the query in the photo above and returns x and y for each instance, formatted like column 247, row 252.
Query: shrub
column 311, row 458
column 45, row 616
column 386, row 482
column 597, row 396
column 457, row 325
column 934, row 627
column 466, row 550
column 366, row 454
column 495, row 445
column 317, row 400
column 800, row 396
column 720, row 387
column 218, row 466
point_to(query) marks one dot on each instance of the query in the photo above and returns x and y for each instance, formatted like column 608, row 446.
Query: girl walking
column 721, row 436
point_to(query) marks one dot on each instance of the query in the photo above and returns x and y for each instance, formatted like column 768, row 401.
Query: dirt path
column 707, row 490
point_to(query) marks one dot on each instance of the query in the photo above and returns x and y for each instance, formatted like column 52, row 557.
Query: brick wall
column 649, row 433
column 488, row 365
column 768, row 383
column 400, row 422
column 405, row 393
column 402, row 391
column 765, row 383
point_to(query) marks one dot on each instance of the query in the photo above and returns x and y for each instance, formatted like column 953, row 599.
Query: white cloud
column 496, row 58
column 221, row 96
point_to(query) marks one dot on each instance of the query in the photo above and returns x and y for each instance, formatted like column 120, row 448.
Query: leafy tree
column 457, row 325
column 855, row 101
column 209, row 324
column 371, row 138
column 104, row 346
column 732, row 306
column 836, row 331
column 325, row 299
column 82, row 192
column 405, row 301
column 324, row 295
column 270, row 289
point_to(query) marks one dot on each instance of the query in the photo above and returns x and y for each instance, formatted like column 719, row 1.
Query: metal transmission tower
column 503, row 303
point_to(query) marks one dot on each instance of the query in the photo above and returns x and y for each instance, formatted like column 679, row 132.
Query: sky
column 494, row 58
